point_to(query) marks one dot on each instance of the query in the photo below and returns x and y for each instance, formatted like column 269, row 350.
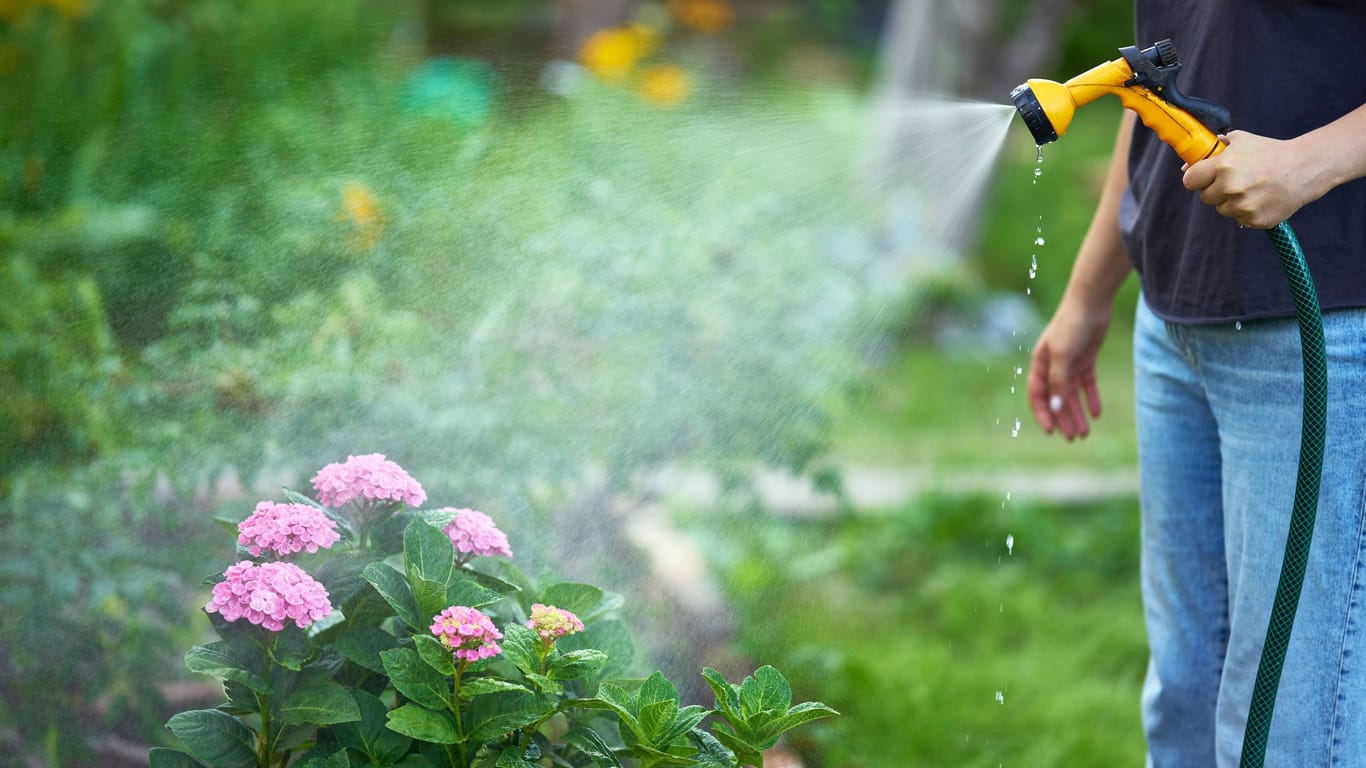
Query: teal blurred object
column 463, row 90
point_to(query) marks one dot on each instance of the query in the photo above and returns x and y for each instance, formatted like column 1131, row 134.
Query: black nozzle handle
column 1156, row 68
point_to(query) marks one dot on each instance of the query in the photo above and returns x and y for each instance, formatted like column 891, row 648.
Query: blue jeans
column 1219, row 413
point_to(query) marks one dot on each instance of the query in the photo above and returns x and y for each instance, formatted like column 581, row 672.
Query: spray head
column 1033, row 114
column 1145, row 81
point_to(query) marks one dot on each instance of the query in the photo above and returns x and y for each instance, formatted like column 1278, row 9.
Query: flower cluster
column 467, row 632
column 268, row 595
column 369, row 477
column 702, row 15
column 475, row 533
column 612, row 53
column 360, row 208
column 552, row 623
column 286, row 528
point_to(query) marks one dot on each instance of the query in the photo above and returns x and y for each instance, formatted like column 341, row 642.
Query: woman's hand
column 1257, row 181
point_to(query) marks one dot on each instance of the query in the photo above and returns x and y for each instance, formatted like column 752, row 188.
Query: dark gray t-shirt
column 1283, row 68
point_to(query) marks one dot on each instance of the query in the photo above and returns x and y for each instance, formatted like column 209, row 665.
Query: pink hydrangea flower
column 552, row 623
column 467, row 632
column 474, row 533
column 286, row 528
column 367, row 477
column 268, row 595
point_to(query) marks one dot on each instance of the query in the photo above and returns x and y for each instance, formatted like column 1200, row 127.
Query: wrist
column 1316, row 165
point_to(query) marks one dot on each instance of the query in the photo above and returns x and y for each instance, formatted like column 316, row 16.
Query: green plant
column 949, row 611
column 410, row 669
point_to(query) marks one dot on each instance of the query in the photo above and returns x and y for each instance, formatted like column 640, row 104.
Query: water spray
column 1145, row 81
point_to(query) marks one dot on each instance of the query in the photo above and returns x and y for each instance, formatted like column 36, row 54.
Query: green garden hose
column 1306, row 495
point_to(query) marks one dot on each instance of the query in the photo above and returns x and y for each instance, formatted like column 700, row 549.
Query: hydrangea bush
column 358, row 629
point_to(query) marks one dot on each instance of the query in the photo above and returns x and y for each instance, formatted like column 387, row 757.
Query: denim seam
column 1335, row 723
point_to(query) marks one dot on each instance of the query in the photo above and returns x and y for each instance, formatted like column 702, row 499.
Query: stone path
column 881, row 487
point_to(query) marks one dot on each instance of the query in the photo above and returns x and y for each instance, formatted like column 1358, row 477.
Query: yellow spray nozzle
column 1144, row 81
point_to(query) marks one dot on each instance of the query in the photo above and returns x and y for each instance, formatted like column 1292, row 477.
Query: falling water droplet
column 1039, row 240
column 1001, row 698
column 1012, row 390
column 1238, row 326
column 1033, row 265
column 1010, row 544
column 1038, row 153
column 1015, row 431
column 1018, row 370
column 1038, row 172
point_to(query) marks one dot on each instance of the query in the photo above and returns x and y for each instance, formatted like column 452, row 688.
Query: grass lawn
column 937, row 409
column 939, row 645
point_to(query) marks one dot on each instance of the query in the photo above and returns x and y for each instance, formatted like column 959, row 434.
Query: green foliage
column 921, row 615
column 378, row 685
column 57, row 369
column 758, row 711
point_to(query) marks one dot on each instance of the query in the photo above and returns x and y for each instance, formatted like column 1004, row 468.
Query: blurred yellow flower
column 72, row 9
column 664, row 85
column 612, row 53
column 360, row 208
column 702, row 15
column 16, row 10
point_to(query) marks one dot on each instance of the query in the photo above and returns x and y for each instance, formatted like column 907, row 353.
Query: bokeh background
column 661, row 286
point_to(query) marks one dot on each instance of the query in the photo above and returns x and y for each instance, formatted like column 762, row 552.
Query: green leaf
column 493, row 715
column 766, row 691
column 710, row 752
column 657, row 688
column 418, row 722
column 341, row 574
column 161, row 757
column 587, row 741
column 437, row 656
column 390, row 584
column 520, row 646
column 727, row 695
column 366, row 608
column 369, row 735
column 241, row 699
column 583, row 600
column 577, row 665
column 337, row 759
column 294, row 497
column 745, row 753
column 615, row 698
column 427, row 553
column 489, row 581
column 290, row 648
column 216, row 660
column 686, row 720
column 462, row 590
column 545, row 684
column 430, row 596
column 798, row 715
column 657, row 719
column 512, row 758
column 217, row 738
column 325, row 704
column 610, row 636
column 412, row 677
column 363, row 645
column 482, row 686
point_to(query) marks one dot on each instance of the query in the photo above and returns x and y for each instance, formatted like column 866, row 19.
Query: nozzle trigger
column 1156, row 68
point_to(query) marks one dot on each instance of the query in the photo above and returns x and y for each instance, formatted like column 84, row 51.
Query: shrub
column 398, row 651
